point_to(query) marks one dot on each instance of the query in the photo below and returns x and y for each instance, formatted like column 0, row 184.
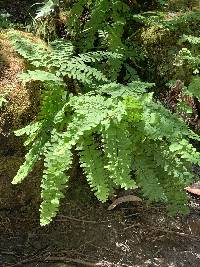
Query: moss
column 22, row 101
column 15, row 196
column 159, row 48
column 21, row 108
column 183, row 4
column 156, row 35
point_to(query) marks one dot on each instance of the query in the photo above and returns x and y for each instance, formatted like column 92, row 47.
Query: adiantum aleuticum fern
column 104, row 27
column 117, row 144
column 124, row 138
column 47, row 9
column 57, row 61
column 93, row 163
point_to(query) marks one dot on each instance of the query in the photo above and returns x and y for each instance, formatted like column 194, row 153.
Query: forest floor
column 90, row 235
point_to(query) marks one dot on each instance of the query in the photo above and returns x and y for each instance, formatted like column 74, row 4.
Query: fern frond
column 147, row 175
column 47, row 8
column 93, row 108
column 29, row 129
column 58, row 160
column 117, row 144
column 176, row 176
column 77, row 69
column 191, row 39
column 82, row 72
column 194, row 87
column 99, row 14
column 58, row 61
column 61, row 53
column 30, row 159
column 160, row 122
column 93, row 161
column 157, row 178
column 53, row 99
column 39, row 54
column 185, row 150
column 134, row 88
column 39, row 75
column 75, row 14
column 34, row 52
column 92, row 57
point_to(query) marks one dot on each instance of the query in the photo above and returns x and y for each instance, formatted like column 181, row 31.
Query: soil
column 90, row 235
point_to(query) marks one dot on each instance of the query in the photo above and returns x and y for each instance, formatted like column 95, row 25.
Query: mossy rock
column 156, row 35
column 159, row 48
column 12, row 196
column 183, row 4
column 22, row 100
column 20, row 108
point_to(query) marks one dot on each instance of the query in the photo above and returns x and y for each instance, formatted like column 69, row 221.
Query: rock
column 22, row 100
column 194, row 189
column 20, row 109
column 12, row 196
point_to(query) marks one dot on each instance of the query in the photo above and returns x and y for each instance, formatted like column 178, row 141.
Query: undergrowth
column 123, row 136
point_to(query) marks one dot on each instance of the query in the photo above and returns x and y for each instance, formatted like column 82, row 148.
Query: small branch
column 129, row 198
column 64, row 218
column 64, row 260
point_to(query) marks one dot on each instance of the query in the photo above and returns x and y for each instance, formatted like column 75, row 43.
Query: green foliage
column 5, row 23
column 191, row 39
column 169, row 42
column 185, row 22
column 94, row 103
column 104, row 28
column 188, row 58
column 93, row 163
column 2, row 100
column 187, row 62
column 194, row 87
column 47, row 9
column 114, row 136
column 59, row 60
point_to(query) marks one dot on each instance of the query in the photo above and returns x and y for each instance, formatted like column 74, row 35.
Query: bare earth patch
column 90, row 235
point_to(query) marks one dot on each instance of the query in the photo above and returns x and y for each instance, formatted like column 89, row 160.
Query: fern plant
column 4, row 20
column 102, row 25
column 47, row 8
column 188, row 61
column 57, row 61
column 124, row 138
column 188, row 57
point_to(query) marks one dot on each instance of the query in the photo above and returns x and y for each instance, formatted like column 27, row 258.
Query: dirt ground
column 90, row 235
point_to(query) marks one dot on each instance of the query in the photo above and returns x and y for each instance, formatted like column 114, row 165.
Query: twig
column 129, row 198
column 65, row 260
column 76, row 261
column 74, row 219
column 174, row 232
column 168, row 231
column 25, row 261
column 80, row 220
